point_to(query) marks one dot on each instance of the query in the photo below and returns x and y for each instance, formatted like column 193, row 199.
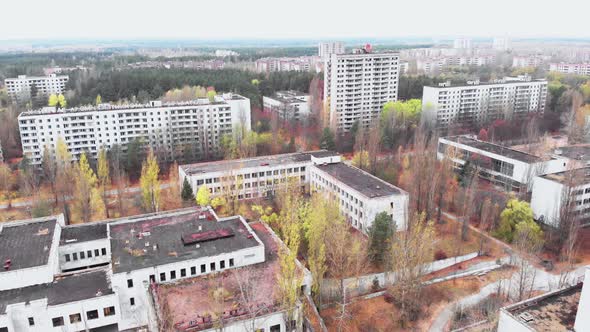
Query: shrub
column 388, row 297
column 440, row 254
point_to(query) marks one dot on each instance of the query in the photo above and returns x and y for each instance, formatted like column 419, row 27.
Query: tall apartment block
column 462, row 43
column 197, row 124
column 473, row 103
column 327, row 49
column 571, row 68
column 19, row 89
column 356, row 86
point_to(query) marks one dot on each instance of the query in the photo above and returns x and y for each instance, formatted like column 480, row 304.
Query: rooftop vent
column 527, row 317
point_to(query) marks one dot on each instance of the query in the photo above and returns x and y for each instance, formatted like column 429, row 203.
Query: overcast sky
column 277, row 19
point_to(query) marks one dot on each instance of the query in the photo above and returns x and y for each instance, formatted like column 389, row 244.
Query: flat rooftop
column 190, row 302
column 270, row 161
column 66, row 289
column 576, row 152
column 552, row 312
column 288, row 97
column 579, row 175
column 158, row 239
column 111, row 107
column 26, row 244
column 495, row 149
column 83, row 233
column 360, row 180
column 501, row 82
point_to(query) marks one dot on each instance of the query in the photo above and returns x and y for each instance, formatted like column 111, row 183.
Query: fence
column 330, row 290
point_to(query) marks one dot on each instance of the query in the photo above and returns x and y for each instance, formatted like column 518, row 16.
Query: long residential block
column 477, row 103
column 198, row 125
column 19, row 89
column 360, row 195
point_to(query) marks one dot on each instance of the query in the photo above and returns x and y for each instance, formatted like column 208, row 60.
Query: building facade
column 571, row 68
column 462, row 43
column 360, row 195
column 554, row 192
column 508, row 168
column 19, row 89
column 356, row 86
column 329, row 48
column 198, row 125
column 475, row 103
column 287, row 105
column 106, row 274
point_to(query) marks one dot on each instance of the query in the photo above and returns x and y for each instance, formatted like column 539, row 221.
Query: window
column 104, row 251
column 212, row 266
column 132, row 301
column 82, row 255
column 93, row 314
column 75, row 318
column 31, row 321
column 172, row 275
column 152, row 278
column 231, row 262
column 96, row 252
column 182, row 273
column 275, row 328
column 202, row 268
column 57, row 321
column 162, row 276
column 129, row 283
column 222, row 265
column 193, row 270
column 75, row 256
column 67, row 257
column 109, row 311
column 89, row 253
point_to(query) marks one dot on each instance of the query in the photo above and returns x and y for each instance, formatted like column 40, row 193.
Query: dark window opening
column 93, row 314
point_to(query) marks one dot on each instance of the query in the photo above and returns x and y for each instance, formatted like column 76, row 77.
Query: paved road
column 544, row 281
column 25, row 203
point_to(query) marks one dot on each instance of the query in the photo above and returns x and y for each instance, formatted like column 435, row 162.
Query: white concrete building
column 502, row 44
column 528, row 61
column 571, row 68
column 462, row 43
column 198, row 124
column 303, row 63
column 328, row 48
column 102, row 275
column 476, row 103
column 288, row 105
column 511, row 169
column 360, row 195
column 19, row 89
column 562, row 310
column 553, row 192
column 356, row 86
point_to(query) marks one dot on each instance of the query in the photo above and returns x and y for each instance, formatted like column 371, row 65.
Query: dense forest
column 145, row 84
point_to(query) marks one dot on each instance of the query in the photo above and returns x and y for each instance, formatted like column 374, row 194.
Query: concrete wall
column 583, row 317
column 546, row 200
column 17, row 316
column 92, row 246
column 363, row 285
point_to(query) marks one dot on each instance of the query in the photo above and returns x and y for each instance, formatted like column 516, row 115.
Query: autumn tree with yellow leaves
column 149, row 183
column 87, row 199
